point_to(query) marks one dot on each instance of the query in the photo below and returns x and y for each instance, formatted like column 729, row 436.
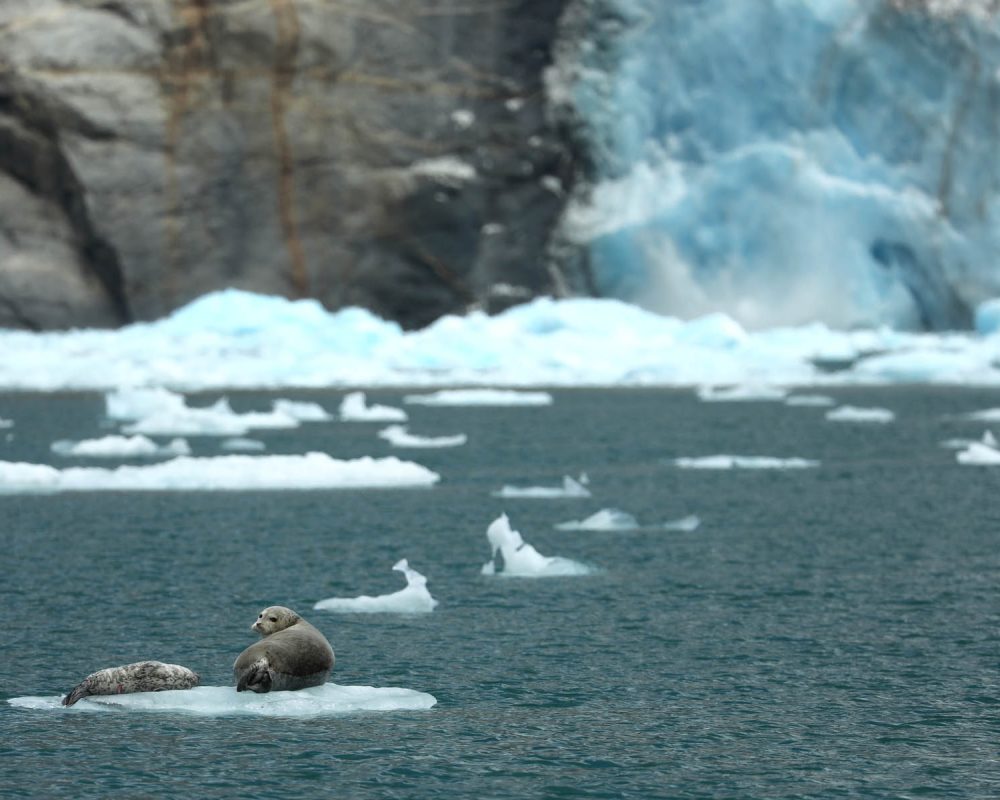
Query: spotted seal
column 292, row 654
column 142, row 676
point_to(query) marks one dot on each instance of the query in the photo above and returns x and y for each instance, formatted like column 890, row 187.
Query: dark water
column 825, row 633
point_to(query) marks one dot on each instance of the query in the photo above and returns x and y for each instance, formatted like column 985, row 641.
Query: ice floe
column 354, row 408
column 6, row 423
column 809, row 400
column 569, row 488
column 607, row 519
column 241, row 444
column 121, row 447
column 856, row 414
column 986, row 415
column 399, row 436
column 685, row 524
column 218, row 419
column 221, row 473
column 744, row 462
column 330, row 699
column 415, row 598
column 979, row 454
column 744, row 393
column 512, row 556
column 480, row 397
column 302, row 411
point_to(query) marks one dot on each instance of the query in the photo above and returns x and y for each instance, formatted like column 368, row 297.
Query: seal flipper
column 257, row 679
column 78, row 692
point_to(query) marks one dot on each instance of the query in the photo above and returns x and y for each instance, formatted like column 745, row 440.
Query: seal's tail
column 78, row 692
column 256, row 679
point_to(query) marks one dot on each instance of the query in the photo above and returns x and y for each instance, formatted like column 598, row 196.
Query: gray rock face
column 393, row 154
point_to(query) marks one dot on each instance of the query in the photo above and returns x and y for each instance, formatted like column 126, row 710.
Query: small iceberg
column 809, row 400
column 354, row 408
column 744, row 462
column 302, row 411
column 330, row 699
column 121, row 447
column 6, row 423
column 218, row 419
column 241, row 444
column 480, row 397
column 221, row 473
column 685, row 524
column 740, row 394
column 979, row 454
column 414, row 599
column 607, row 519
column 398, row 436
column 856, row 414
column 514, row 557
column 569, row 488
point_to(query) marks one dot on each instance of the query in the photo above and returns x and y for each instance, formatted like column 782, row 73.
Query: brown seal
column 292, row 654
column 142, row 676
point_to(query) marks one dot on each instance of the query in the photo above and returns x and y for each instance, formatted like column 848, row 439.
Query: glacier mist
column 783, row 161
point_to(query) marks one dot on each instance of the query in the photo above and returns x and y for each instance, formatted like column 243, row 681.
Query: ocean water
column 825, row 632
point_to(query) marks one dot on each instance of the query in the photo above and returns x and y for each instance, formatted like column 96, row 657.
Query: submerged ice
column 330, row 699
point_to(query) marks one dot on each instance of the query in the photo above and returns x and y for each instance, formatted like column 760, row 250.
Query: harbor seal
column 292, row 654
column 142, row 676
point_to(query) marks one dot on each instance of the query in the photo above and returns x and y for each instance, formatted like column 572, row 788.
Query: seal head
column 292, row 655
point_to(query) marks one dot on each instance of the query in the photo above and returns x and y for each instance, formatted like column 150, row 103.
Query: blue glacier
column 785, row 161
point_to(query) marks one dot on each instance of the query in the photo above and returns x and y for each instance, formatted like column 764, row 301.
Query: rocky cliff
column 393, row 154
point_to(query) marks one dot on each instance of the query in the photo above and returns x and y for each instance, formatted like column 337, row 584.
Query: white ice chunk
column 856, row 414
column 330, row 699
column 514, row 557
column 221, row 473
column 987, row 415
column 398, row 436
column 218, row 419
column 744, row 462
column 302, row 411
column 121, row 447
column 354, row 408
column 414, row 599
column 569, row 488
column 979, row 454
column 480, row 397
column 744, row 393
column 607, row 519
column 6, row 423
column 127, row 404
column 687, row 524
column 242, row 444
column 809, row 400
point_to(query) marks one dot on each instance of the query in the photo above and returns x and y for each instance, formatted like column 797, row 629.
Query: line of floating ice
column 399, row 436
column 121, row 447
column 741, row 393
column 744, row 462
column 569, row 488
column 856, row 414
column 415, row 598
column 480, row 397
column 607, row 519
column 221, row 473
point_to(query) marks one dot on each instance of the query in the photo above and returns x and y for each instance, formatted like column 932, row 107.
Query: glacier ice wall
column 785, row 161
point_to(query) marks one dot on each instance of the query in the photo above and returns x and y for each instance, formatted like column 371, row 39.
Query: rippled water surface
column 826, row 632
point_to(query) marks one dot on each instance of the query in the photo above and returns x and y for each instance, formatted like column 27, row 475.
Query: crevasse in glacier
column 785, row 161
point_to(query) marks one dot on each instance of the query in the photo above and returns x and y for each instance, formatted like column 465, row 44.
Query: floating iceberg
column 855, row 414
column 398, row 436
column 353, row 408
column 221, row 473
column 514, row 557
column 607, row 519
column 744, row 393
column 330, row 699
column 686, row 524
column 979, row 454
column 242, row 444
column 302, row 411
column 6, row 423
column 569, row 488
column 809, row 400
column 744, row 462
column 218, row 419
column 480, row 397
column 414, row 599
column 121, row 447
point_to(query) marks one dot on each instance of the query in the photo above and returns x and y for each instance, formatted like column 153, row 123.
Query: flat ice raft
column 329, row 699
column 221, row 473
